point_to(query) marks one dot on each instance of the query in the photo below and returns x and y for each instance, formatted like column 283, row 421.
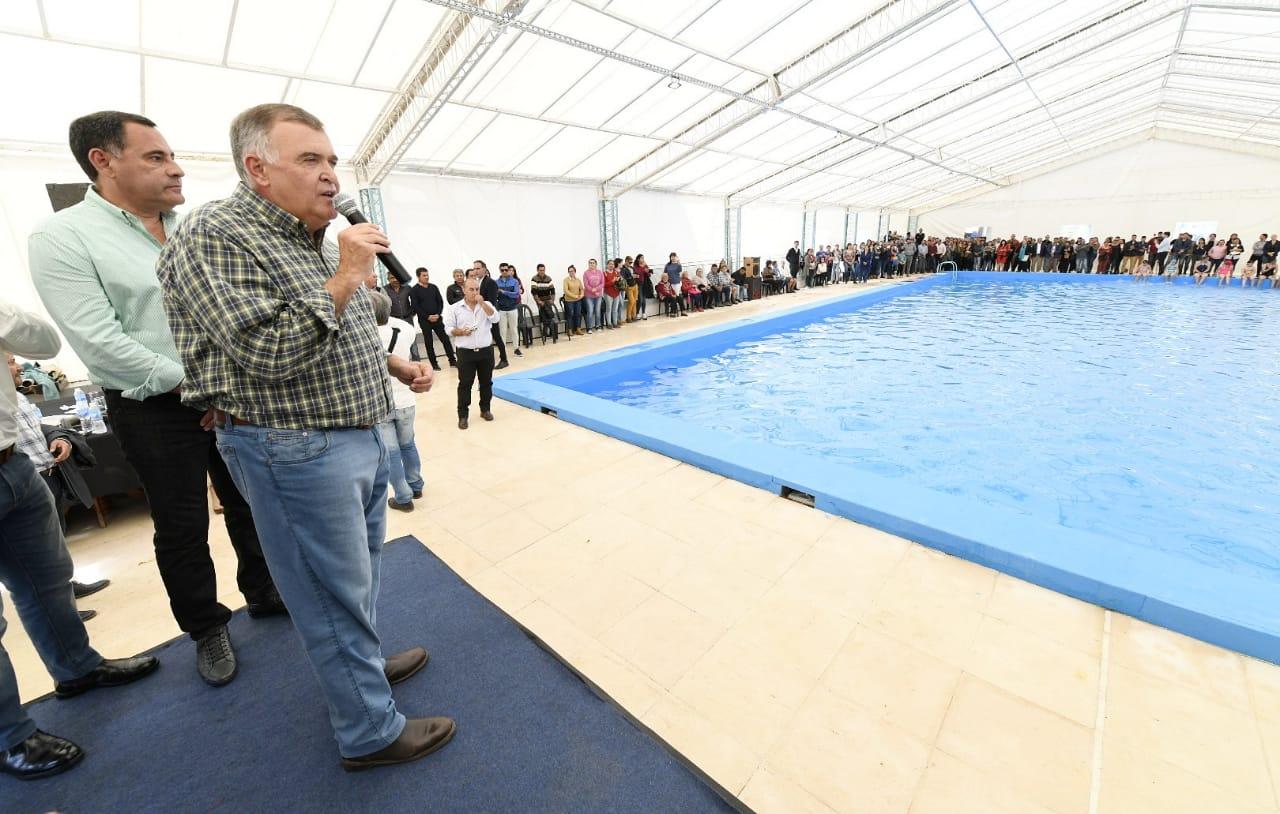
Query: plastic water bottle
column 82, row 411
column 96, row 425
column 100, row 403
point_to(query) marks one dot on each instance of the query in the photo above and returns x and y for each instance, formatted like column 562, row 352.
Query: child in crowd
column 1225, row 271
column 1201, row 271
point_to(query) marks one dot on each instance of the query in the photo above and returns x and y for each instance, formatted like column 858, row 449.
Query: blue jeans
column 319, row 504
column 36, row 568
column 613, row 309
column 405, row 476
column 572, row 315
column 593, row 312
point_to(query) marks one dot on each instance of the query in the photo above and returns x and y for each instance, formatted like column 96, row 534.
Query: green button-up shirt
column 94, row 266
column 256, row 329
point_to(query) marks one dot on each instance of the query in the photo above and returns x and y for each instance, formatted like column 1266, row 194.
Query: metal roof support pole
column 732, row 234
column 845, row 242
column 371, row 206
column 609, row 241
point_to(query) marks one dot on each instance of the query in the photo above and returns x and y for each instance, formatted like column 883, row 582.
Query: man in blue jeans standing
column 36, row 568
column 276, row 332
column 404, row 463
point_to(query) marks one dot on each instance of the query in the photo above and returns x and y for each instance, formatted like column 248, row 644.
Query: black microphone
column 347, row 206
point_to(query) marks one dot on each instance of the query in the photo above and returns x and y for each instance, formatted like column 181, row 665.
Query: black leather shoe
column 435, row 367
column 268, row 604
column 400, row 507
column 40, row 755
column 462, row 423
column 82, row 590
column 215, row 660
column 421, row 737
column 417, row 494
column 110, row 673
column 502, row 365
column 86, row 615
column 403, row 666
column 486, row 415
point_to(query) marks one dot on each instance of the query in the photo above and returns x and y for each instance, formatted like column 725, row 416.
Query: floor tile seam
column 1100, row 723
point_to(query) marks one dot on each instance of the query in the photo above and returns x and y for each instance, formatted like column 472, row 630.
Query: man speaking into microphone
column 275, row 330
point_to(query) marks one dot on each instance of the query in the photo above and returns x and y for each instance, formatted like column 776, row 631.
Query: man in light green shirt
column 94, row 266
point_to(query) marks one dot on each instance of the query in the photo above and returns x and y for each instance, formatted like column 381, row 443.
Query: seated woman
column 689, row 290
column 543, row 291
column 668, row 299
column 705, row 294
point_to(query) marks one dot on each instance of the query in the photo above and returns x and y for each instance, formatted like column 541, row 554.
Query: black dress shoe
column 40, row 755
column 86, row 615
column 486, row 415
column 462, row 423
column 417, row 494
column 82, row 590
column 421, row 737
column 502, row 365
column 268, row 604
column 110, row 673
column 435, row 366
column 400, row 507
column 215, row 660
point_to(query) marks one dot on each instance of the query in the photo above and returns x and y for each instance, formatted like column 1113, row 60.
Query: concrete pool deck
column 805, row 662
column 1152, row 584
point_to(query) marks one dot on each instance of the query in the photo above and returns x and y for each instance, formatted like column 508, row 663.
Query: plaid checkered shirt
column 243, row 284
column 31, row 437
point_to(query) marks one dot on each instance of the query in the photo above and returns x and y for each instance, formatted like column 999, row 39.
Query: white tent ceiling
column 866, row 103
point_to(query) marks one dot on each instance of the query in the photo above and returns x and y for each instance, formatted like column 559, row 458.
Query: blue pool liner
column 1237, row 612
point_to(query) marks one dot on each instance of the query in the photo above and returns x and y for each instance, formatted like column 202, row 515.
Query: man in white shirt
column 36, row 568
column 470, row 321
column 405, row 479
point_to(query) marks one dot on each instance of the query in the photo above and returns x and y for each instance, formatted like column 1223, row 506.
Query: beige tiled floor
column 806, row 663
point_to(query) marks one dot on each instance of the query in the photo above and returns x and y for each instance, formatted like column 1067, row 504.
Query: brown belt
column 7, row 453
column 240, row 422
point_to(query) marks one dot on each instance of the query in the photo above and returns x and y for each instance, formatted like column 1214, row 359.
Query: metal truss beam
column 999, row 127
column 460, row 43
column 1177, row 46
column 1139, row 15
column 1017, row 66
column 1100, row 149
column 859, row 41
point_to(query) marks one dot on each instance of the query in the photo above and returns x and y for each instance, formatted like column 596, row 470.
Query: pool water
column 1147, row 413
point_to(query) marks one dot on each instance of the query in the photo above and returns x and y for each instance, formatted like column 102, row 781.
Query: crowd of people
column 1161, row 254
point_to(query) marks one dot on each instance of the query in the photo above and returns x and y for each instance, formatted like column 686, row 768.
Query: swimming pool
column 1112, row 440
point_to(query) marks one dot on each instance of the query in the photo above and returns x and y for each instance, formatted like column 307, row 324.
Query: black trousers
column 502, row 348
column 473, row 364
column 428, row 328
column 173, row 455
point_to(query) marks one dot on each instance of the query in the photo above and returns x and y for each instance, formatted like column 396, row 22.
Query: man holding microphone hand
column 470, row 322
column 276, row 332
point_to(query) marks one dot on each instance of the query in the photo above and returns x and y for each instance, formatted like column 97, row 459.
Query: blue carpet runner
column 531, row 736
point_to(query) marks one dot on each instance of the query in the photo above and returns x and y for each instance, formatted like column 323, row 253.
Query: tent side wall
column 1134, row 190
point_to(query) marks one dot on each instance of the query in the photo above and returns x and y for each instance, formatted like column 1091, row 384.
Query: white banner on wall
column 1197, row 228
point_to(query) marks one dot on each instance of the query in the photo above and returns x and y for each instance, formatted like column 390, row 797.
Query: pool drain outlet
column 803, row 498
